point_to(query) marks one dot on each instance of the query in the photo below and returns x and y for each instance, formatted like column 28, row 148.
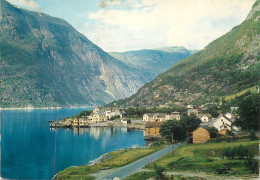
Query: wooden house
column 201, row 135
column 152, row 128
column 223, row 131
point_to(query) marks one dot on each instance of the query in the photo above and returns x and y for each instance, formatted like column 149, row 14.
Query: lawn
column 119, row 158
column 205, row 157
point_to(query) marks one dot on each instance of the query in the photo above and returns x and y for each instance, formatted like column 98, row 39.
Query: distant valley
column 152, row 62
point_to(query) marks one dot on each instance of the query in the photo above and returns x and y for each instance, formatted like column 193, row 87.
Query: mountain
column 152, row 62
column 44, row 61
column 226, row 66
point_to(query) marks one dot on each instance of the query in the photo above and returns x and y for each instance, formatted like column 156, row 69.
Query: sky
column 123, row 25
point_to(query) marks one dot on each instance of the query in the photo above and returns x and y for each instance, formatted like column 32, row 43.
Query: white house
column 228, row 115
column 222, row 122
column 147, row 117
column 105, row 111
column 160, row 117
column 190, row 107
column 193, row 111
column 203, row 117
column 115, row 112
column 97, row 116
column 173, row 115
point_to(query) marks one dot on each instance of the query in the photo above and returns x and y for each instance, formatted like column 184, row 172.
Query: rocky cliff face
column 228, row 65
column 46, row 62
column 152, row 62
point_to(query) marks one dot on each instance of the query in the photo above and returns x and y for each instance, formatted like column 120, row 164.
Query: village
column 151, row 122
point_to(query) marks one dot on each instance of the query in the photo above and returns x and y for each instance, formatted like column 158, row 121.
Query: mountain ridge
column 228, row 64
column 45, row 62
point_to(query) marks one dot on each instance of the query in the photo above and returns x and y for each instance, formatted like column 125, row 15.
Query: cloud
column 137, row 24
column 25, row 3
column 104, row 4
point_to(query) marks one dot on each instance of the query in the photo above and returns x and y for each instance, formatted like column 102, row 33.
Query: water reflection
column 28, row 144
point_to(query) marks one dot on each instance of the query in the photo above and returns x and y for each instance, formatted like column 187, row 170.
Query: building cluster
column 153, row 122
column 161, row 117
column 99, row 114
column 223, row 123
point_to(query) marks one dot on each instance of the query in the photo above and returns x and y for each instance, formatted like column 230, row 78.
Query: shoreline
column 100, row 159
column 36, row 108
column 101, row 124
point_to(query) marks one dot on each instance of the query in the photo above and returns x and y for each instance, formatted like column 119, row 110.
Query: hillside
column 44, row 61
column 152, row 62
column 226, row 66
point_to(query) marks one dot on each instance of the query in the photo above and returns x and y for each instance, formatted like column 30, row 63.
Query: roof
column 148, row 114
column 224, row 117
column 152, row 124
column 212, row 122
column 190, row 106
column 175, row 112
column 192, row 110
column 205, row 127
column 160, row 114
column 101, row 113
column 157, row 114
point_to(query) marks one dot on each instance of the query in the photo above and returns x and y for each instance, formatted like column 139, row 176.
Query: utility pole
column 172, row 145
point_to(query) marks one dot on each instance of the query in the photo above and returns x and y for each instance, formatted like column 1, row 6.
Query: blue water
column 28, row 144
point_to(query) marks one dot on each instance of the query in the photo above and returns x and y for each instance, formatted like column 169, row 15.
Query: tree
column 248, row 113
column 173, row 129
column 77, row 116
column 212, row 109
column 192, row 123
column 213, row 132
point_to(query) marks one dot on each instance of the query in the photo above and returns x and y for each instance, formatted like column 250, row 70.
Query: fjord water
column 28, row 143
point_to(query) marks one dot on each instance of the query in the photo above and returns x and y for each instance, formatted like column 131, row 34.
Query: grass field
column 119, row 158
column 194, row 158
column 205, row 157
column 232, row 96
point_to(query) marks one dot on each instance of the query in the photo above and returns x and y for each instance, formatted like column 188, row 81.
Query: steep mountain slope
column 227, row 65
column 152, row 62
column 44, row 61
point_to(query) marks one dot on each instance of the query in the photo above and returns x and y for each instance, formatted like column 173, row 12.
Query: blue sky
column 121, row 25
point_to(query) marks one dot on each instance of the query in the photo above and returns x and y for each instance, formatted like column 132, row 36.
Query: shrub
column 235, row 152
column 159, row 170
column 252, row 135
column 115, row 117
column 252, row 164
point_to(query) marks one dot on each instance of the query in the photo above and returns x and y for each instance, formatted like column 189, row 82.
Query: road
column 137, row 165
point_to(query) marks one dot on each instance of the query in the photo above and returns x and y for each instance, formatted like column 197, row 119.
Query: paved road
column 137, row 165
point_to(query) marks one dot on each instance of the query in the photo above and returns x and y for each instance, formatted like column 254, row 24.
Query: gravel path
column 211, row 177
